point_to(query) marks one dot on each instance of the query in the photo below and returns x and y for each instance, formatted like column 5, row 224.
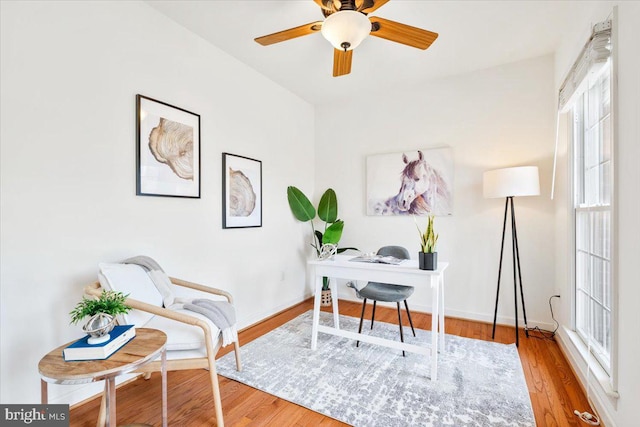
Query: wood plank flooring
column 553, row 388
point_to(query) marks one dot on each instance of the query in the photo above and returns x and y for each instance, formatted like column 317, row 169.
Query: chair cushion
column 181, row 336
column 386, row 292
column 132, row 280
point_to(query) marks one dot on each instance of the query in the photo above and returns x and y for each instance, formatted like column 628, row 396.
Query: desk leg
column 441, row 328
column 111, row 401
column 435, row 295
column 333, row 285
column 316, row 311
column 163, row 373
column 44, row 392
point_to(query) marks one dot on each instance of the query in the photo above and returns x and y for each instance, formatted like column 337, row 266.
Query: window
column 586, row 96
column 592, row 190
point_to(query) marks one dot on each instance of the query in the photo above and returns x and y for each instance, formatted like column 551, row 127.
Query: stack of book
column 82, row 350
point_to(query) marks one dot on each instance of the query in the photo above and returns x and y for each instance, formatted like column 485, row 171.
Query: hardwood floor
column 553, row 388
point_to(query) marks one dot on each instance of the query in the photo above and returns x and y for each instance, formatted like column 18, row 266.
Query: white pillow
column 133, row 280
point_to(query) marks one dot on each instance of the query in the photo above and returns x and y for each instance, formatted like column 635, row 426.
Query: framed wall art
column 241, row 192
column 167, row 150
column 418, row 182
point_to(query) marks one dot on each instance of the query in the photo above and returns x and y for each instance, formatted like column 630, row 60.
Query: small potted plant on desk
column 428, row 257
column 324, row 242
column 102, row 314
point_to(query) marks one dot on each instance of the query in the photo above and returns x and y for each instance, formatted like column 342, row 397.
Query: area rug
column 479, row 383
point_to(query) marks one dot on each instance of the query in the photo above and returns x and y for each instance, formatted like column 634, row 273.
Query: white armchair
column 192, row 339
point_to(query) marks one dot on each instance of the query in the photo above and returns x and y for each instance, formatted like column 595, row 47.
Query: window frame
column 576, row 185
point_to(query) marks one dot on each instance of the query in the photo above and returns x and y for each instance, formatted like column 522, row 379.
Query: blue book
column 82, row 350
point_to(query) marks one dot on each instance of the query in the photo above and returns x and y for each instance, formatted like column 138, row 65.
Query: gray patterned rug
column 480, row 383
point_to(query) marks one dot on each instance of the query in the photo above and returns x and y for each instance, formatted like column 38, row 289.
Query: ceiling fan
column 346, row 24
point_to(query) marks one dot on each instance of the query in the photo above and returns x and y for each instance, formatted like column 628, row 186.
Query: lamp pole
column 517, row 276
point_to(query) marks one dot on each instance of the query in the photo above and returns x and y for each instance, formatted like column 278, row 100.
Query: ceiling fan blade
column 402, row 33
column 289, row 34
column 341, row 62
column 368, row 6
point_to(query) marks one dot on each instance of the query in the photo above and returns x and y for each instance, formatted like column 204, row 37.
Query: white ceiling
column 474, row 35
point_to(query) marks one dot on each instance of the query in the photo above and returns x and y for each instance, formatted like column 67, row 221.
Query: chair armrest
column 202, row 288
column 95, row 290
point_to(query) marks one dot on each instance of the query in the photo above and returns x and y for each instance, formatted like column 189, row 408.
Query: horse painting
column 423, row 190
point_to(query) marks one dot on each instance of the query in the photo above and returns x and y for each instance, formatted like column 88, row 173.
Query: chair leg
column 409, row 315
column 215, row 387
column 217, row 403
column 373, row 315
column 364, row 304
column 236, row 350
column 400, row 324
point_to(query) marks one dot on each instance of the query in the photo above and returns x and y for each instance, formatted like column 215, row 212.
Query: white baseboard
column 467, row 315
column 258, row 317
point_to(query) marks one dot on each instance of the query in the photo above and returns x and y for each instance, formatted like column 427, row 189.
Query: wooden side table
column 142, row 349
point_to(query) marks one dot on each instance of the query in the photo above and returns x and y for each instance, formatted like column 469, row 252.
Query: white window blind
column 595, row 53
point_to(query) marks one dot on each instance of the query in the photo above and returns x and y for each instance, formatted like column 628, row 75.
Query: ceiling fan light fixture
column 346, row 29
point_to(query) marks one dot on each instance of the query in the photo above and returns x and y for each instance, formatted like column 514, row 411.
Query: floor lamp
column 510, row 183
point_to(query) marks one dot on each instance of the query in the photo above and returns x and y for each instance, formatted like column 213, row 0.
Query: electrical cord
column 588, row 418
column 544, row 334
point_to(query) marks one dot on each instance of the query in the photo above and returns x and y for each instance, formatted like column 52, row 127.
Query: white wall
column 70, row 73
column 623, row 410
column 495, row 118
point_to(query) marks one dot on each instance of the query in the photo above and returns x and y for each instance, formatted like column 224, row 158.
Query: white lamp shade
column 346, row 26
column 519, row 181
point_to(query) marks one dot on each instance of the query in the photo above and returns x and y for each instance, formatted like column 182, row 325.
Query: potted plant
column 102, row 314
column 327, row 211
column 428, row 257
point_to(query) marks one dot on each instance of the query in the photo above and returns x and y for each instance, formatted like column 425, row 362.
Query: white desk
column 407, row 273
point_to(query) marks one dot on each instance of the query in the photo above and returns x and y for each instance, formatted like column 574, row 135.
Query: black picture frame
column 241, row 191
column 167, row 150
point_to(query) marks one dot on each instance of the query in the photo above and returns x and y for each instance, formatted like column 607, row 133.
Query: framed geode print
column 241, row 192
column 167, row 150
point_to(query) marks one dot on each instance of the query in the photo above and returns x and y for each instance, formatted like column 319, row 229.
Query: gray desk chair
column 387, row 292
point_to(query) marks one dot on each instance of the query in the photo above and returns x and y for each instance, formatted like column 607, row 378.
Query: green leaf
column 333, row 233
column 328, row 206
column 300, row 205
